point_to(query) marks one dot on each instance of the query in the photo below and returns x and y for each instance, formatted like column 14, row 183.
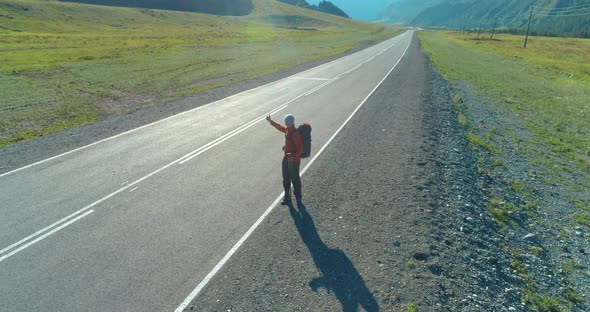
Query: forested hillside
column 550, row 17
column 323, row 6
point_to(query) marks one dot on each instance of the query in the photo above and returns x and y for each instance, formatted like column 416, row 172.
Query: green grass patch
column 411, row 308
column 574, row 296
column 541, row 303
column 570, row 266
column 58, row 57
column 480, row 142
column 531, row 296
column 520, row 187
column 582, row 218
column 537, row 251
column 500, row 210
column 462, row 119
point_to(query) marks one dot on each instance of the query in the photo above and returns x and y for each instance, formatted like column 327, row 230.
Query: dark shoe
column 299, row 201
column 286, row 200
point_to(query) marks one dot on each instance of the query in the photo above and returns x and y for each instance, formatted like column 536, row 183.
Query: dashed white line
column 133, row 189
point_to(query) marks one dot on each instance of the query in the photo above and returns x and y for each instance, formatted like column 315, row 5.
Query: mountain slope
column 66, row 64
column 403, row 11
column 323, row 6
column 360, row 10
column 552, row 16
column 220, row 7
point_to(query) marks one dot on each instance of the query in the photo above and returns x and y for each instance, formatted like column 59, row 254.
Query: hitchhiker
column 293, row 149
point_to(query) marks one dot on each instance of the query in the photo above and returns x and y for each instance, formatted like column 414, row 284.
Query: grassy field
column 531, row 133
column 548, row 83
column 67, row 64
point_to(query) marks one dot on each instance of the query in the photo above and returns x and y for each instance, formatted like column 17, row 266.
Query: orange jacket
column 293, row 141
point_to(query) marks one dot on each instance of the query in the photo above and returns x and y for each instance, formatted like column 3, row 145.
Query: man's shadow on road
column 338, row 274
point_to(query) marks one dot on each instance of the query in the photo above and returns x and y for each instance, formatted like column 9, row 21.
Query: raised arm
column 277, row 125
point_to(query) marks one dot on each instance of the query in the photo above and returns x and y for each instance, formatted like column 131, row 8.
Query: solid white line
column 230, row 253
column 180, row 114
column 21, row 248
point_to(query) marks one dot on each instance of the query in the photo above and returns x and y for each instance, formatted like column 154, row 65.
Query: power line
column 566, row 8
column 560, row 15
column 563, row 12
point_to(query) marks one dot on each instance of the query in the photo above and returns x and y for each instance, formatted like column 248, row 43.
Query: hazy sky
column 360, row 9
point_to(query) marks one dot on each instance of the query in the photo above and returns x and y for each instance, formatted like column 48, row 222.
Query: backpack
column 305, row 131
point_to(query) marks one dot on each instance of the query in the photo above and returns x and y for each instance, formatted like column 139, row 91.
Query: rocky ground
column 407, row 209
column 535, row 195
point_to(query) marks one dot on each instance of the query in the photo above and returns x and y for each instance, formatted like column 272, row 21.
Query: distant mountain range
column 552, row 17
column 364, row 10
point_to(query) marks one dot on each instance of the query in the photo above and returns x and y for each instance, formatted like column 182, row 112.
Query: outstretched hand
column 268, row 118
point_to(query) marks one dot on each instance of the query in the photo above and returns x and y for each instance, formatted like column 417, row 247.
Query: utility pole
column 479, row 28
column 494, row 30
column 526, row 39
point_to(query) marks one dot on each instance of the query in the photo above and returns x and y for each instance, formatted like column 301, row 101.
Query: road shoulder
column 370, row 233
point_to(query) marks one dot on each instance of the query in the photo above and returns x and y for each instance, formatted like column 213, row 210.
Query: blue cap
column 289, row 120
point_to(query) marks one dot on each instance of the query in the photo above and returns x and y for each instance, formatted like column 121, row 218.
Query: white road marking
column 241, row 241
column 21, row 248
column 113, row 194
column 227, row 136
column 133, row 189
column 181, row 160
column 306, row 78
column 84, row 211
column 182, row 113
column 321, row 86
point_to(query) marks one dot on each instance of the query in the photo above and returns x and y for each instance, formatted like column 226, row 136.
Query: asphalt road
column 137, row 221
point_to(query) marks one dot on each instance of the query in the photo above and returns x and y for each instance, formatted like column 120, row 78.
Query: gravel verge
column 535, row 193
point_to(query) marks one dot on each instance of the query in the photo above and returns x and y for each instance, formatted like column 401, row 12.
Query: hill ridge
column 507, row 14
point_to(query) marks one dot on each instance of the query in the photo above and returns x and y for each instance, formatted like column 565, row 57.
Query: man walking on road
column 293, row 149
